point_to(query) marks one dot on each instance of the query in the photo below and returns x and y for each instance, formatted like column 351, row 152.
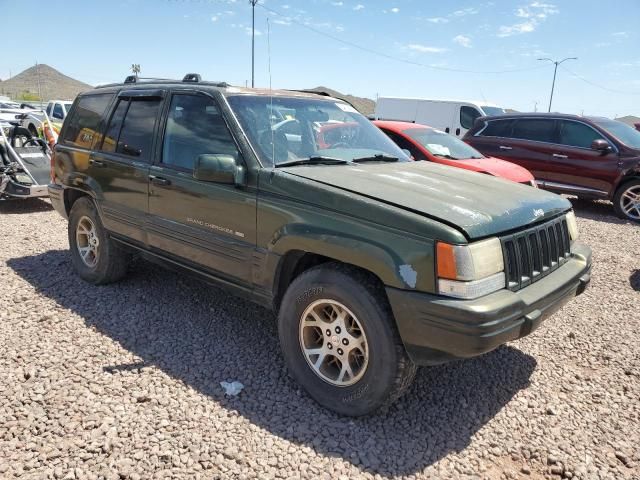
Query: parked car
column 452, row 116
column 426, row 143
column 373, row 263
column 591, row 157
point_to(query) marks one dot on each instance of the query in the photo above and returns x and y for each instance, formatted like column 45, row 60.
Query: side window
column 136, row 135
column 468, row 115
column 195, row 127
column 405, row 144
column 115, row 124
column 538, row 129
column 82, row 127
column 57, row 111
column 49, row 107
column 576, row 134
column 497, row 128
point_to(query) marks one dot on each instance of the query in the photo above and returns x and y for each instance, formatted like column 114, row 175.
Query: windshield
column 623, row 132
column 285, row 129
column 490, row 111
column 442, row 144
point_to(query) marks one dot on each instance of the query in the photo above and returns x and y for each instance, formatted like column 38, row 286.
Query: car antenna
column 273, row 145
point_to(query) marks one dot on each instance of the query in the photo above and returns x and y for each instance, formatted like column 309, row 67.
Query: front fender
column 398, row 261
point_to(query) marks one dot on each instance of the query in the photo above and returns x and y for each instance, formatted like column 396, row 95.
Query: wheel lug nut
column 330, row 347
column 345, row 341
column 328, row 332
column 340, row 352
column 338, row 330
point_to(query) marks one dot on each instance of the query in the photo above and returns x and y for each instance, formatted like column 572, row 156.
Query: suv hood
column 479, row 205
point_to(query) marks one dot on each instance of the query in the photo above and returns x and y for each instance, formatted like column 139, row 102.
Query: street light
column 253, row 40
column 555, row 69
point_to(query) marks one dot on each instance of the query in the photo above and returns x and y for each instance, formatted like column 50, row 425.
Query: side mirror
column 219, row 168
column 600, row 145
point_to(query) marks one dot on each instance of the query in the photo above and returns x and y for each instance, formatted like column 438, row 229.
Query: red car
column 426, row 143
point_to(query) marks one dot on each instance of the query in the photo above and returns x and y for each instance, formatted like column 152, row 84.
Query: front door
column 209, row 225
column 120, row 163
column 574, row 167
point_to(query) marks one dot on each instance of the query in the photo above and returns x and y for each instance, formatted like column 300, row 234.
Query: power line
column 391, row 57
column 593, row 84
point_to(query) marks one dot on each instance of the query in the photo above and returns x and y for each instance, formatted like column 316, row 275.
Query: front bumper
column 20, row 190
column 436, row 329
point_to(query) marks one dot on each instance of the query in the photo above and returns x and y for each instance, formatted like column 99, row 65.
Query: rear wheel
column 95, row 256
column 626, row 201
column 340, row 342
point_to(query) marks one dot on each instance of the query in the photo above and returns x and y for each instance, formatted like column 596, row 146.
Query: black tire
column 617, row 198
column 389, row 371
column 111, row 261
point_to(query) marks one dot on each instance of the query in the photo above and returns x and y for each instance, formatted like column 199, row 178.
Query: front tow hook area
column 584, row 281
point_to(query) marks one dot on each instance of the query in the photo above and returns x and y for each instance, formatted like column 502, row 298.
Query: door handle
column 446, row 130
column 557, row 155
column 159, row 180
column 96, row 163
column 502, row 147
column 457, row 131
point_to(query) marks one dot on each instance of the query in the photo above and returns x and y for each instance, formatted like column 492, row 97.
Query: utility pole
column 38, row 76
column 253, row 41
column 555, row 69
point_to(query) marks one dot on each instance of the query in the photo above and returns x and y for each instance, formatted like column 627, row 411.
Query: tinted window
column 57, row 111
column 540, row 130
column 194, row 127
column 136, row 134
column 82, row 126
column 467, row 116
column 113, row 130
column 497, row 128
column 577, row 134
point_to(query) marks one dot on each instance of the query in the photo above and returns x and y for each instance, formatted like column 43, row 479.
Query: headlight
column 572, row 225
column 470, row 271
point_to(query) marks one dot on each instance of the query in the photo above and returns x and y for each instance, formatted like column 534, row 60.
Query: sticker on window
column 345, row 107
column 438, row 149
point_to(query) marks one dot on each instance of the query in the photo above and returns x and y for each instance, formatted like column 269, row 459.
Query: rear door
column 207, row 224
column 119, row 165
column 530, row 144
column 575, row 167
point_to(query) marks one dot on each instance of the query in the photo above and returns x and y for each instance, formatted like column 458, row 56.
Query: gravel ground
column 122, row 381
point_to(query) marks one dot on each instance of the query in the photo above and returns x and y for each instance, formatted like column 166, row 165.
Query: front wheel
column 340, row 342
column 626, row 201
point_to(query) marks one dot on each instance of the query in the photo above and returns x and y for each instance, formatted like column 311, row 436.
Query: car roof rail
column 192, row 77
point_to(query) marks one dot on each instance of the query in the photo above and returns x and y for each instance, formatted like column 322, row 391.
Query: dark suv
column 591, row 157
column 373, row 263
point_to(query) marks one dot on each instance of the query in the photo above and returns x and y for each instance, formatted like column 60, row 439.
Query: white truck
column 452, row 116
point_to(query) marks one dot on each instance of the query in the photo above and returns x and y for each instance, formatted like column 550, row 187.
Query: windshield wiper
column 313, row 161
column 380, row 157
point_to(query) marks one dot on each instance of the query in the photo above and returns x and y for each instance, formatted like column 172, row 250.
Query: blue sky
column 418, row 45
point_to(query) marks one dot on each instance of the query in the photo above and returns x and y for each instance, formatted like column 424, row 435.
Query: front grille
column 532, row 254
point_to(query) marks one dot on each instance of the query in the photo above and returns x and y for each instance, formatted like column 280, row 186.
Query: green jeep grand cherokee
column 374, row 264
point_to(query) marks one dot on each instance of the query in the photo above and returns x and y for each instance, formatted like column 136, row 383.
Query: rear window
column 536, row 129
column 82, row 126
column 497, row 128
column 468, row 115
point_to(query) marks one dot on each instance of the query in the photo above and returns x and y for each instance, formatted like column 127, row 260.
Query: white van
column 452, row 116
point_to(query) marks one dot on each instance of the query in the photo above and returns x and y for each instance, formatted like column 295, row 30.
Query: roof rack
column 188, row 78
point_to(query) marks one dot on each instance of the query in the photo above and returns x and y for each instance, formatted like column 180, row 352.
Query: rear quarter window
column 535, row 129
column 84, row 121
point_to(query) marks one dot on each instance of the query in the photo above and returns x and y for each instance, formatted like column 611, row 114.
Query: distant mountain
column 42, row 80
column 365, row 106
column 629, row 120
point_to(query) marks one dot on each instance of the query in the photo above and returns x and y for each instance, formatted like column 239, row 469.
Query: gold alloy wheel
column 333, row 342
column 87, row 241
